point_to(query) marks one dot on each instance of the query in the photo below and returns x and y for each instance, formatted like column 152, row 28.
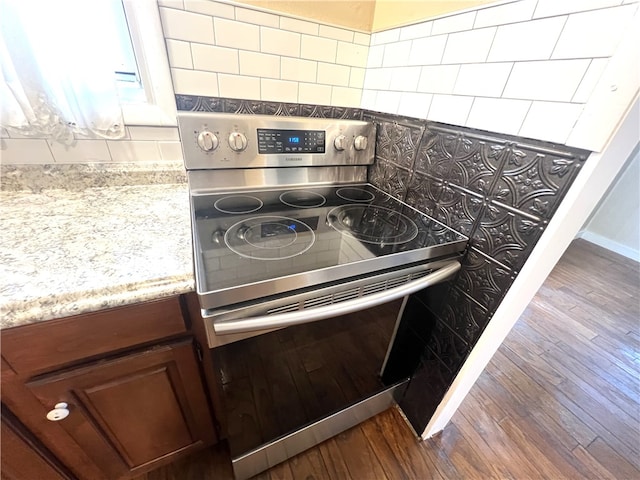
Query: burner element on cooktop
column 353, row 194
column 302, row 199
column 237, row 204
column 373, row 224
column 269, row 237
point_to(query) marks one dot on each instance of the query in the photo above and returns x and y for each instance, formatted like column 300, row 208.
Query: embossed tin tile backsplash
column 499, row 190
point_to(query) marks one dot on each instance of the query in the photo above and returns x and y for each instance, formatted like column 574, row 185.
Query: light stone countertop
column 66, row 252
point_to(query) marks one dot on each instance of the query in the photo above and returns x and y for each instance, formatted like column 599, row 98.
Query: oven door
column 304, row 380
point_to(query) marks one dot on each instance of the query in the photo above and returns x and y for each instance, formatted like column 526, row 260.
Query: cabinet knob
column 59, row 412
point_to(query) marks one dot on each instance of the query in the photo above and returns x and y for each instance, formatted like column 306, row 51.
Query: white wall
column 525, row 68
column 615, row 223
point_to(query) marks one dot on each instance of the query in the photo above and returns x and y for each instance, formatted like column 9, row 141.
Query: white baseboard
column 609, row 244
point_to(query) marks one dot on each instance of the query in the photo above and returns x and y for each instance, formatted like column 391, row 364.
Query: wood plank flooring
column 559, row 400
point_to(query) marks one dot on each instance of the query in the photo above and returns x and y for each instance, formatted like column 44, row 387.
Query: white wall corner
column 598, row 172
column 615, row 91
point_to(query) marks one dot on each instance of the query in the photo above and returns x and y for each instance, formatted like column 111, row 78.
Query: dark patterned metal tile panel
column 426, row 388
column 475, row 165
column 390, row 178
column 534, row 182
column 484, row 279
column 436, row 152
column 459, row 209
column 195, row 103
column 424, row 192
column 464, row 315
column 397, row 143
column 507, row 236
column 447, row 345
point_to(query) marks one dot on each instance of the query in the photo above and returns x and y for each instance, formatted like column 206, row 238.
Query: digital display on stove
column 290, row 141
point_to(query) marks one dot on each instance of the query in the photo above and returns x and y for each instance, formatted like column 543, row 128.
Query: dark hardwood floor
column 559, row 400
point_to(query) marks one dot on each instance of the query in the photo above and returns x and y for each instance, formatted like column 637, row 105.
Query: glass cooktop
column 260, row 243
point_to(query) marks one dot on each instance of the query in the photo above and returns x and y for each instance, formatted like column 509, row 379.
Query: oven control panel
column 223, row 141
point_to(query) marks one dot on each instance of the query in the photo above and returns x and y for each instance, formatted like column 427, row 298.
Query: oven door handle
column 268, row 322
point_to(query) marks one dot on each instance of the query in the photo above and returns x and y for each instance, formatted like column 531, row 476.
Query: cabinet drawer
column 38, row 347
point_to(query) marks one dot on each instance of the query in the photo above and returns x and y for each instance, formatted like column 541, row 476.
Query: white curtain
column 58, row 69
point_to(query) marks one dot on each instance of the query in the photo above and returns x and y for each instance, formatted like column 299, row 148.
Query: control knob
column 340, row 143
column 237, row 141
column 360, row 143
column 207, row 141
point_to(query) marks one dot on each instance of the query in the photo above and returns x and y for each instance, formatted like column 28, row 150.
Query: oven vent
column 346, row 295
column 318, row 301
column 374, row 287
column 292, row 307
column 350, row 294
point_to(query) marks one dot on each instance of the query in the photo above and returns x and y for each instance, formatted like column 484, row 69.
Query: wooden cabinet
column 132, row 407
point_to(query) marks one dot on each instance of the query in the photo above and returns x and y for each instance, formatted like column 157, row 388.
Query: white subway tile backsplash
column 414, row 104
column 533, row 40
column 170, row 151
column 153, row 133
column 369, row 99
column 361, row 38
column 452, row 109
column 419, row 30
column 191, row 27
column 386, row 36
column 257, row 18
column 314, row 93
column 345, row 97
column 331, row 74
column 351, row 54
column 594, row 34
column 590, row 80
column 375, row 56
column 300, row 26
column 551, row 121
column 279, row 42
column 502, row 14
column 238, row 86
column 427, row 51
column 214, row 59
column 171, row 4
column 356, row 79
column 396, row 54
column 454, row 23
column 549, row 8
column 554, row 80
column 83, row 151
column 482, row 79
column 378, row 78
column 234, row 34
column 214, row 9
column 336, row 33
column 194, row 82
column 498, row 114
column 299, row 70
column 468, row 47
column 257, row 64
column 405, row 79
column 279, row 90
column 388, row 102
column 17, row 151
column 133, row 151
column 316, row 48
column 179, row 53
column 438, row 78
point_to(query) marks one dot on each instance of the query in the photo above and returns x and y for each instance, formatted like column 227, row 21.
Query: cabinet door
column 133, row 413
column 23, row 458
